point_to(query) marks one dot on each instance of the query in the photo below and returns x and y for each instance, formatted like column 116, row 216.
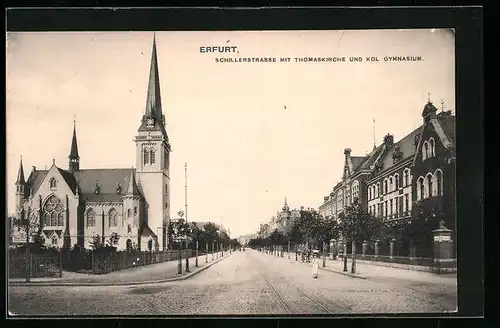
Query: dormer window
column 53, row 183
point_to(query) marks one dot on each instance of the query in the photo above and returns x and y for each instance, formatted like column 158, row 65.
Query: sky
column 250, row 133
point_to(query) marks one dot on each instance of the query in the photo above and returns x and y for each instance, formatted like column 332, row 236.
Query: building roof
column 107, row 181
column 35, row 179
column 74, row 145
column 20, row 174
column 447, row 122
column 406, row 146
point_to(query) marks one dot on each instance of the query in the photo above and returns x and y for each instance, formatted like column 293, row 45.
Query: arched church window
column 90, row 218
column 432, row 150
column 153, row 156
column 146, row 156
column 53, row 183
column 112, row 218
column 53, row 209
column 54, row 239
column 439, row 182
column 129, row 213
column 429, row 185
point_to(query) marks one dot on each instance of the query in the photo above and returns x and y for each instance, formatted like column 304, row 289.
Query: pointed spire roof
column 153, row 100
column 20, row 173
column 132, row 189
column 74, row 145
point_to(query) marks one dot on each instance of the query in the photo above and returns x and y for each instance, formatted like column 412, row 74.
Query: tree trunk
column 353, row 253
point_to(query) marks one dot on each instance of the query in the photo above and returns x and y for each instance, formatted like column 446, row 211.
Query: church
column 75, row 204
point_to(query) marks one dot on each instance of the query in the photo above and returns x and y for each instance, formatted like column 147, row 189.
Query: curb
column 351, row 275
column 108, row 284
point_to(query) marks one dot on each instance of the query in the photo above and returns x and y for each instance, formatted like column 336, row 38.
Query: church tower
column 74, row 159
column 153, row 158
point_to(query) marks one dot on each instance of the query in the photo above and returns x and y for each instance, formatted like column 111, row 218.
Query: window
column 385, row 209
column 397, row 206
column 129, row 229
column 406, row 177
column 54, row 212
column 391, row 210
column 153, row 159
column 129, row 213
column 112, row 218
column 425, row 151
column 396, row 181
column 385, row 187
column 166, row 189
column 53, row 183
column 391, row 184
column 146, row 156
column 439, row 182
column 407, row 202
column 378, row 189
column 429, row 185
column 420, row 188
column 135, row 210
column 90, row 218
column 432, row 147
column 54, row 239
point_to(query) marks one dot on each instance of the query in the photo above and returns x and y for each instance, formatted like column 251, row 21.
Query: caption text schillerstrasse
column 308, row 59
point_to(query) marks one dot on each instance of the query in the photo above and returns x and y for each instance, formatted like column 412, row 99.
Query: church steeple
column 153, row 118
column 20, row 174
column 74, row 158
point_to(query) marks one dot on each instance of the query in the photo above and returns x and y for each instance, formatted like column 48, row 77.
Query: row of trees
column 355, row 225
column 206, row 235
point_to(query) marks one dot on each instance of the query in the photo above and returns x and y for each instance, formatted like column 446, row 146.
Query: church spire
column 20, row 174
column 132, row 189
column 153, row 100
column 74, row 158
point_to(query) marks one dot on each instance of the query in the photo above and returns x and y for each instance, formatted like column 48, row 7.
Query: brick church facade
column 77, row 203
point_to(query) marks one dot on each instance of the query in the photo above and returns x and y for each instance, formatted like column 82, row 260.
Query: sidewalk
column 153, row 273
column 380, row 273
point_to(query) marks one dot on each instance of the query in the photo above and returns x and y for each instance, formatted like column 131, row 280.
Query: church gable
column 55, row 181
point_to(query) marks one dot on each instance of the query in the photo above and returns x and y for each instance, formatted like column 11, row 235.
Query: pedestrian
column 315, row 264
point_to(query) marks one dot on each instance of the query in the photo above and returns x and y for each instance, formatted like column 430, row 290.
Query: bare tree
column 30, row 225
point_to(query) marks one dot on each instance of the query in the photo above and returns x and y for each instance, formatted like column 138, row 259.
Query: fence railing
column 422, row 261
column 34, row 265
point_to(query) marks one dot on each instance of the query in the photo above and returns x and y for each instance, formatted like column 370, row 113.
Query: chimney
column 388, row 140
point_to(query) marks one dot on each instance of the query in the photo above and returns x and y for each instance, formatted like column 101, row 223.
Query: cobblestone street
column 248, row 282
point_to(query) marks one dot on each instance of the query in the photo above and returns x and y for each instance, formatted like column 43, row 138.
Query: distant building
column 403, row 180
column 286, row 218
column 74, row 204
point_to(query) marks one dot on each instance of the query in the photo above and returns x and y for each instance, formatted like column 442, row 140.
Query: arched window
column 112, row 218
column 420, row 188
column 54, row 239
column 432, row 147
column 406, row 177
column 378, row 189
column 153, row 159
column 135, row 210
column 129, row 229
column 396, row 181
column 54, row 212
column 53, row 183
column 425, row 150
column 391, row 184
column 146, row 156
column 129, row 213
column 90, row 218
column 385, row 187
column 429, row 185
column 439, row 182
column 370, row 192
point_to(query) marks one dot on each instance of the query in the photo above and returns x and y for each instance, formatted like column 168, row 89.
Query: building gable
column 55, row 181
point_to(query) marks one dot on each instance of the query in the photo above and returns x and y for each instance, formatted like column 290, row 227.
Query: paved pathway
column 152, row 272
column 244, row 283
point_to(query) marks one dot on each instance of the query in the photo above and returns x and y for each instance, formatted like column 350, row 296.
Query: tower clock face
column 150, row 122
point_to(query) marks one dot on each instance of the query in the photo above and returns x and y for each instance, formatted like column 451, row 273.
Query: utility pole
column 186, row 213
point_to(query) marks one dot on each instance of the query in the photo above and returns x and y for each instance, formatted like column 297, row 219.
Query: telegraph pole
column 186, row 213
